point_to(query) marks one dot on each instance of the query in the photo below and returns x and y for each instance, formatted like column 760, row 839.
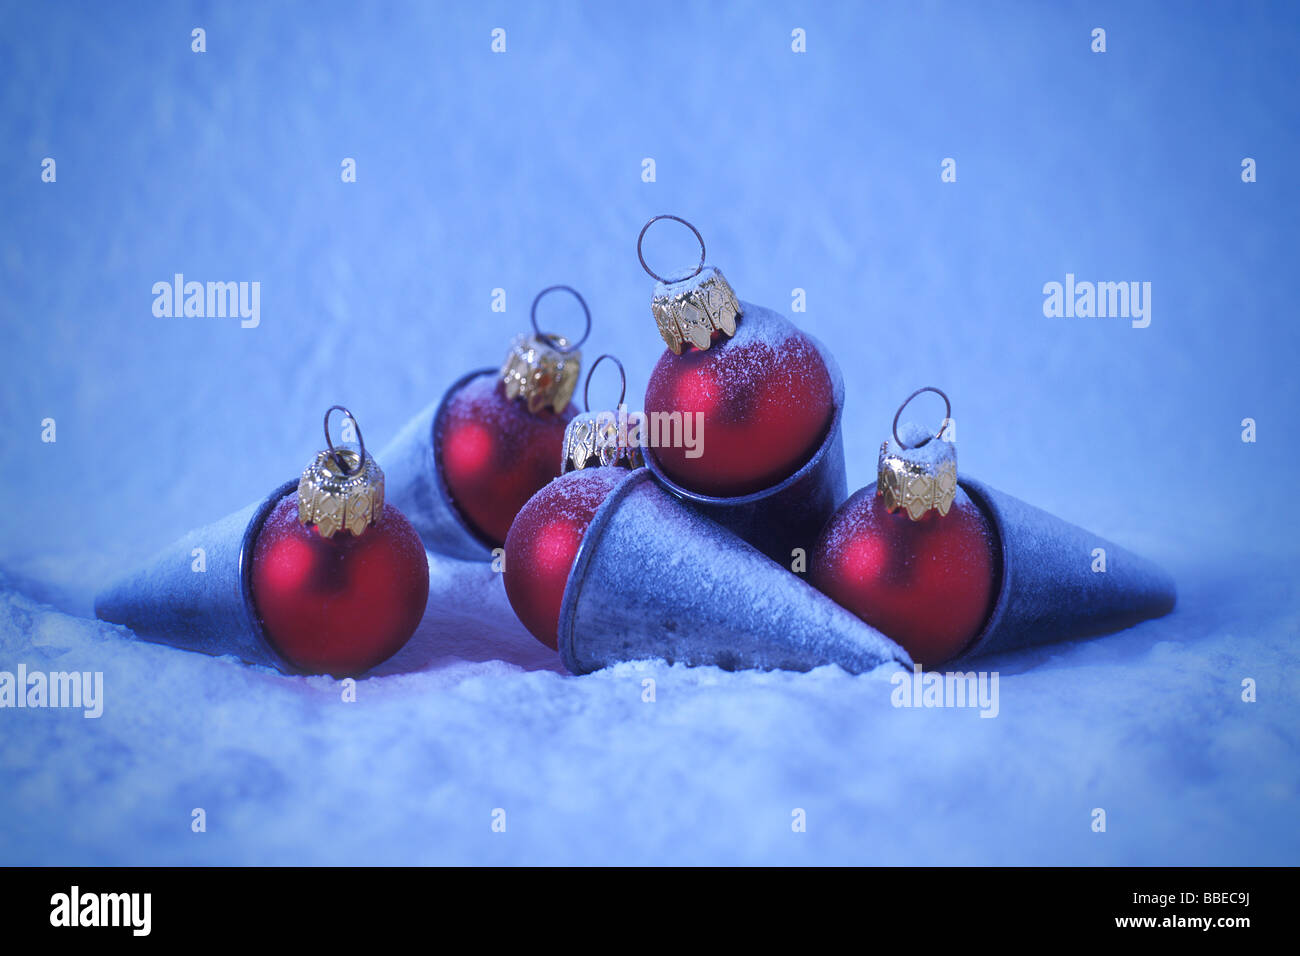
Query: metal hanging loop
column 550, row 340
column 334, row 452
column 650, row 272
column 947, row 414
column 622, row 374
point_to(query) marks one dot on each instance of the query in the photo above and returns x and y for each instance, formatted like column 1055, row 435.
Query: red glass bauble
column 544, row 541
column 927, row 584
column 338, row 605
column 766, row 399
column 495, row 454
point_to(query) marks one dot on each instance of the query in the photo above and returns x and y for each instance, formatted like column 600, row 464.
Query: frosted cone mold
column 168, row 601
column 1049, row 590
column 413, row 482
column 656, row 579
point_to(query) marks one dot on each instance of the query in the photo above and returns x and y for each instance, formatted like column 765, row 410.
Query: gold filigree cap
column 540, row 374
column 332, row 499
column 693, row 309
column 599, row 439
column 542, row 369
column 342, row 488
column 690, row 308
column 917, row 471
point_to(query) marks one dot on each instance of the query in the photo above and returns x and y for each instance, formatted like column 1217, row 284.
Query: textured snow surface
column 819, row 172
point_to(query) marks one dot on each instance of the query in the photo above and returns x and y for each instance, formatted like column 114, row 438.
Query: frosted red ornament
column 544, row 541
column 339, row 579
column 928, row 584
column 547, row 533
column 763, row 401
column 497, row 439
column 912, row 555
column 338, row 605
column 761, row 391
column 495, row 453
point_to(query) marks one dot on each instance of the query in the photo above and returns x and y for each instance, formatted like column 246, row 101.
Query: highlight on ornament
column 321, row 576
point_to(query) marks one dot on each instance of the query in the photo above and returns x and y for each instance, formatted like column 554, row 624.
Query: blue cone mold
column 1049, row 591
column 656, row 579
column 413, row 483
column 167, row 602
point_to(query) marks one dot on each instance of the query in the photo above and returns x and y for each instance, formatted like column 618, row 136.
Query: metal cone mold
column 657, row 579
column 1049, row 589
column 413, row 482
column 169, row 601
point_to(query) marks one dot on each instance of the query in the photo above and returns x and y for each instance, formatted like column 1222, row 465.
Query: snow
column 921, row 445
column 816, row 171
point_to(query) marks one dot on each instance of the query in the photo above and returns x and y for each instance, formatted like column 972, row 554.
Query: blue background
column 818, row 171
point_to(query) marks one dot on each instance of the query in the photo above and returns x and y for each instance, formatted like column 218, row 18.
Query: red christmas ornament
column 498, row 439
column 765, row 407
column 544, row 540
column 339, row 579
column 762, row 391
column 912, row 555
column 496, row 453
column 543, row 543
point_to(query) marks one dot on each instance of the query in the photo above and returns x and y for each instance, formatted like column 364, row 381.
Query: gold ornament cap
column 690, row 309
column 599, row 439
column 342, row 489
column 594, row 439
column 917, row 471
column 541, row 369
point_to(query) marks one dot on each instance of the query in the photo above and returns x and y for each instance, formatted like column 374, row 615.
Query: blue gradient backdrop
column 818, row 171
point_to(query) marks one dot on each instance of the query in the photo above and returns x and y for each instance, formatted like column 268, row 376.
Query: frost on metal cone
column 1050, row 590
column 656, row 579
column 169, row 601
column 414, row 484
